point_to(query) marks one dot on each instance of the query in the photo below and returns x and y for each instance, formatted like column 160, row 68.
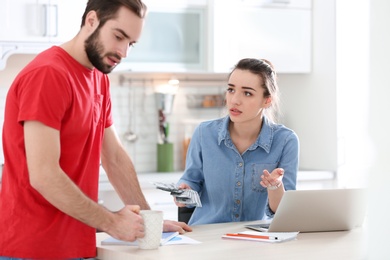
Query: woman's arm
column 193, row 173
column 284, row 177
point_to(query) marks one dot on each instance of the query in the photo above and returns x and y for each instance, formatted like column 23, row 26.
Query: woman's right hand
column 181, row 187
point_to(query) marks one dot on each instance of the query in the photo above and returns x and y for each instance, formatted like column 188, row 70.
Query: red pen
column 251, row 236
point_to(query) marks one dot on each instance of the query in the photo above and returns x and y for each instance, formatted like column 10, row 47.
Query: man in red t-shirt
column 57, row 129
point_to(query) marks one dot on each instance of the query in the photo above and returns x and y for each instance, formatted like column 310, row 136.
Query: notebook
column 318, row 210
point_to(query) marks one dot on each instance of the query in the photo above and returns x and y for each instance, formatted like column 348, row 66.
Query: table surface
column 320, row 245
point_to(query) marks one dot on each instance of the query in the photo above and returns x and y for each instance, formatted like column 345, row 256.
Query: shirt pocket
column 97, row 109
column 257, row 171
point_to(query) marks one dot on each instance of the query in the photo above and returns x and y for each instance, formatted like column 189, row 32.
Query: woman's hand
column 181, row 187
column 273, row 179
column 173, row 226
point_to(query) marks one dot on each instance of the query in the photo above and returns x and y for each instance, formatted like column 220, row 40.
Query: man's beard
column 94, row 50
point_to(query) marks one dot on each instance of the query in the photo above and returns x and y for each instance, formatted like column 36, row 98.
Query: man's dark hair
column 108, row 9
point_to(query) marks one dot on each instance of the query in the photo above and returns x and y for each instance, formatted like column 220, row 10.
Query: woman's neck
column 244, row 134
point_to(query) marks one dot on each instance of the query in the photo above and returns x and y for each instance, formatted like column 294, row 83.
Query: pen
column 251, row 236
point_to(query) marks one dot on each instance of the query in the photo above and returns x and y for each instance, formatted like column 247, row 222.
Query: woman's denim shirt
column 229, row 182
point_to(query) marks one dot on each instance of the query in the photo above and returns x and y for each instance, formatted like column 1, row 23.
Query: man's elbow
column 39, row 180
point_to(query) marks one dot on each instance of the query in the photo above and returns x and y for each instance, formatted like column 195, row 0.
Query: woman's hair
column 108, row 9
column 265, row 70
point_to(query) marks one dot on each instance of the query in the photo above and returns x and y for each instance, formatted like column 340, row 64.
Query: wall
column 308, row 102
column 353, row 91
column 14, row 64
column 379, row 174
column 135, row 110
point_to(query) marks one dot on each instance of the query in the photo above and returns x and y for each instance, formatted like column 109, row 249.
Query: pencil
column 251, row 236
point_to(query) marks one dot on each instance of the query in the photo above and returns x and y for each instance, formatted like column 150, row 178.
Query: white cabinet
column 27, row 20
column 179, row 35
column 69, row 17
column 157, row 199
column 40, row 20
column 174, row 3
column 173, row 40
column 30, row 26
column 279, row 31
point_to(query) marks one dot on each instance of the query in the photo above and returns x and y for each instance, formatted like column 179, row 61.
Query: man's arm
column 42, row 144
column 121, row 173
column 120, row 170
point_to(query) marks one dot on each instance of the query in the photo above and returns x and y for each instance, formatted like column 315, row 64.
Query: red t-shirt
column 61, row 93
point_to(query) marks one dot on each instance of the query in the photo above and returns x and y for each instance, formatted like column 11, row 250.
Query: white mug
column 153, row 223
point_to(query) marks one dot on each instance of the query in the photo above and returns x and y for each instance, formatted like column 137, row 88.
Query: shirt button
column 238, row 201
column 240, row 164
column 238, row 183
column 236, row 215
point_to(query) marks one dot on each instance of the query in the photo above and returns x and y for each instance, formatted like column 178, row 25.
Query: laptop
column 317, row 211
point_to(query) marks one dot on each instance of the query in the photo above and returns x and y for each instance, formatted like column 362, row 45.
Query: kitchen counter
column 145, row 179
column 162, row 200
column 312, row 245
column 157, row 199
column 306, row 179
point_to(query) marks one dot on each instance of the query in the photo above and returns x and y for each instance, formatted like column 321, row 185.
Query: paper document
column 168, row 238
column 165, row 237
column 269, row 237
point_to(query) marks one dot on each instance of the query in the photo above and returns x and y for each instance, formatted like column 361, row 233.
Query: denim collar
column 264, row 140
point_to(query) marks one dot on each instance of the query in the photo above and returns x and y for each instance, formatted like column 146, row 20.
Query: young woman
column 242, row 164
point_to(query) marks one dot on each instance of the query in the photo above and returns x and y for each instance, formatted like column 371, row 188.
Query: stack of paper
column 270, row 237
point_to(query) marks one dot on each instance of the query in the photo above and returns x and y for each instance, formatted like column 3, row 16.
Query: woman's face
column 245, row 99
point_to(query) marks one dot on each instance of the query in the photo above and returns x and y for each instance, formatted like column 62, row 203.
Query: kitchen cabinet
column 279, row 31
column 162, row 200
column 211, row 36
column 179, row 35
column 157, row 199
column 40, row 20
column 30, row 26
column 174, row 3
column 173, row 40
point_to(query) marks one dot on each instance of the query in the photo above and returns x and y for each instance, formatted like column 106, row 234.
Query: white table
column 322, row 245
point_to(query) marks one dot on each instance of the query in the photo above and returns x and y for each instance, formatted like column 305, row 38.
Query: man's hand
column 128, row 225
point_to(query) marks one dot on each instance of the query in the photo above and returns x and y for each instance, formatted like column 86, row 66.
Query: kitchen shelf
column 205, row 101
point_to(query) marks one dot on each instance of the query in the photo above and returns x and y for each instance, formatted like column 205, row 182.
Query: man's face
column 95, row 52
column 110, row 42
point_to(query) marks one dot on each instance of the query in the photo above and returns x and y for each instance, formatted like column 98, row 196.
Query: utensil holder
column 165, row 157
